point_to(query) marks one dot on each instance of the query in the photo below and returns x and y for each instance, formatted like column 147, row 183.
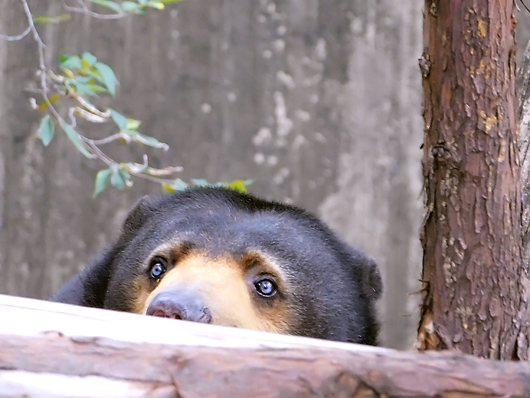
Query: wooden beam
column 57, row 350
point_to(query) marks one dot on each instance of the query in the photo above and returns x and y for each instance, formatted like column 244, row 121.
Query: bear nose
column 176, row 305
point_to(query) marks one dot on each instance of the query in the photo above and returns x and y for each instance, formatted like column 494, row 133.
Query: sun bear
column 218, row 256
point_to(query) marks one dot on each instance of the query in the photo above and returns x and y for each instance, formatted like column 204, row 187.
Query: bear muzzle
column 179, row 305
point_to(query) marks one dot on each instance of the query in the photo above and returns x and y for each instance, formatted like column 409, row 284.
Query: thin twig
column 18, row 37
column 165, row 171
column 110, row 162
column 106, row 140
column 88, row 115
column 31, row 27
column 87, row 11
column 88, row 105
column 42, row 63
column 40, row 45
column 524, row 5
column 31, row 24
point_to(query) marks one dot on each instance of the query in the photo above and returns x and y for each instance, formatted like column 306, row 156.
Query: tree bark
column 471, row 236
column 51, row 349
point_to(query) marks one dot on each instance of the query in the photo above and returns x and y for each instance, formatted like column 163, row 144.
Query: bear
column 215, row 255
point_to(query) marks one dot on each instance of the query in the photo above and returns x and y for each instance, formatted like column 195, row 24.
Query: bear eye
column 157, row 267
column 265, row 287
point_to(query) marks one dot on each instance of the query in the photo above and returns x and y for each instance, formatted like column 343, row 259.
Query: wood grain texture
column 50, row 349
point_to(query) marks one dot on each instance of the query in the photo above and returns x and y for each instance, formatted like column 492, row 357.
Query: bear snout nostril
column 163, row 309
column 176, row 313
column 185, row 307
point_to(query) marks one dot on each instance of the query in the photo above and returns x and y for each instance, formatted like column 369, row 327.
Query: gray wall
column 319, row 102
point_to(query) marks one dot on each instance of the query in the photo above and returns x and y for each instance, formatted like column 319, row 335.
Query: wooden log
column 57, row 350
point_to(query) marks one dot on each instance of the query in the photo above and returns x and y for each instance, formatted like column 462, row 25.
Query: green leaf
column 46, row 130
column 96, row 88
column 54, row 98
column 170, row 1
column 90, row 58
column 156, row 4
column 74, row 137
column 102, row 180
column 71, row 62
column 68, row 73
column 167, row 187
column 134, row 167
column 199, row 182
column 179, row 185
column 56, row 19
column 83, row 89
column 109, row 4
column 176, row 185
column 148, row 140
column 239, row 185
column 119, row 119
column 83, row 79
column 109, row 78
column 90, row 89
column 119, row 178
column 129, row 6
column 97, row 76
column 133, row 124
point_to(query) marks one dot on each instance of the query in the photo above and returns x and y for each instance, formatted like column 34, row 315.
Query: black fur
column 335, row 286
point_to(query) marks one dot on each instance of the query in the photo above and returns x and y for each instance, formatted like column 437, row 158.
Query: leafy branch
column 81, row 80
column 120, row 9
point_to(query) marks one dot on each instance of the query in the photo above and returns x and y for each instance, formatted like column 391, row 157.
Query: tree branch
column 18, row 37
column 83, row 9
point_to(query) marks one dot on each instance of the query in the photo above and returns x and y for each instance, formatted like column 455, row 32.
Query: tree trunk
column 471, row 236
column 57, row 350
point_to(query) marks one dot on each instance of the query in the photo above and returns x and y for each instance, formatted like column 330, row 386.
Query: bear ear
column 88, row 288
column 371, row 283
column 138, row 215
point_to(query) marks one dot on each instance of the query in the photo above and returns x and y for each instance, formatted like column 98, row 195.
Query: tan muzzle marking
column 221, row 284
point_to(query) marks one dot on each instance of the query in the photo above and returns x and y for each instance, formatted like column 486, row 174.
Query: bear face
column 214, row 255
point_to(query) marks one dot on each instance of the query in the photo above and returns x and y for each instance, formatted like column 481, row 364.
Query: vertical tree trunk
column 471, row 236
